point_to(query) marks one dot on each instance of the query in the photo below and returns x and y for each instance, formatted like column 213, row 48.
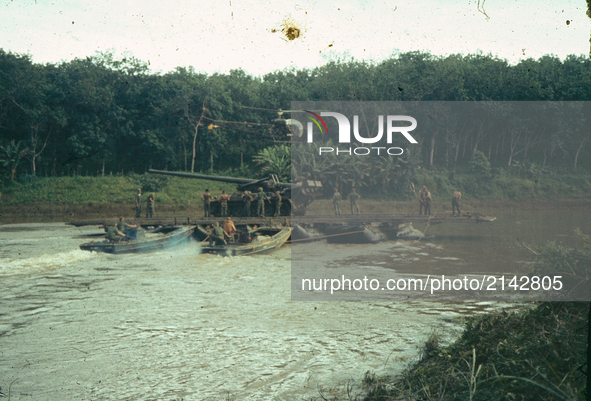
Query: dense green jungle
column 102, row 116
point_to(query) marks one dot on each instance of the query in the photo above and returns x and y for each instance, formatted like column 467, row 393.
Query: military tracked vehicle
column 295, row 196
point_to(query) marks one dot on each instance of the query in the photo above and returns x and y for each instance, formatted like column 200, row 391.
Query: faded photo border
column 367, row 254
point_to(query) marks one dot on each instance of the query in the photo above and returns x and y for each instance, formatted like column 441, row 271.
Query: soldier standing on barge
column 138, row 204
column 150, row 211
column 247, row 199
column 425, row 201
column 261, row 197
column 224, row 198
column 206, row 202
column 455, row 202
column 277, row 200
column 336, row 198
column 353, row 198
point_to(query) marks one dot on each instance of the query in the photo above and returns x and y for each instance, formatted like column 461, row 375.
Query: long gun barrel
column 203, row 176
column 299, row 194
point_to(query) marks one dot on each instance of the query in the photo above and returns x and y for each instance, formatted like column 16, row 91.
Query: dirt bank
column 53, row 212
column 487, row 207
column 65, row 212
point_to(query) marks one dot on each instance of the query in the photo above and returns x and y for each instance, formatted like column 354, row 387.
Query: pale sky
column 220, row 35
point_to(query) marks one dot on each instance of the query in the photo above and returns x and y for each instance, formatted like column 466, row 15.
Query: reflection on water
column 490, row 253
column 176, row 324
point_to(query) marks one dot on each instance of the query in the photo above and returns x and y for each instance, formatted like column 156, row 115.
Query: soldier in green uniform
column 150, row 211
column 138, row 204
column 277, row 200
column 261, row 198
column 353, row 198
column 206, row 202
column 336, row 198
column 247, row 199
column 130, row 230
column 114, row 235
column 224, row 198
column 218, row 235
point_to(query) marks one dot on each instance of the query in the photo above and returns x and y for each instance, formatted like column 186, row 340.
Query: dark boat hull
column 148, row 244
column 279, row 237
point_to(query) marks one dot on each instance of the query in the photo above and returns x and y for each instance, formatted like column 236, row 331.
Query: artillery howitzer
column 295, row 196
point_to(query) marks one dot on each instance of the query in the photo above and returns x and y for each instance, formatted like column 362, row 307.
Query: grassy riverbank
column 537, row 354
column 67, row 198
column 503, row 184
column 109, row 189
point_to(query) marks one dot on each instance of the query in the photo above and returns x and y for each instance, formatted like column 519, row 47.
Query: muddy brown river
column 176, row 324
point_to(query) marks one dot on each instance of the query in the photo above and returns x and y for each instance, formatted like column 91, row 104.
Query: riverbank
column 39, row 212
column 533, row 354
column 44, row 212
column 42, row 199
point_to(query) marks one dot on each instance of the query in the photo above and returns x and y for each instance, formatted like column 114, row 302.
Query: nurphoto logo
column 392, row 127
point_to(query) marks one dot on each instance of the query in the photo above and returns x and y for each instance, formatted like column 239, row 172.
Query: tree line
column 101, row 115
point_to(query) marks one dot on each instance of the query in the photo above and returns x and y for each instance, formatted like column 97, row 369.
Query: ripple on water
column 173, row 325
column 43, row 263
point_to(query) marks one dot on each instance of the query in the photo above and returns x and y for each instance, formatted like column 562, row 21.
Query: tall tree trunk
column 33, row 167
column 210, row 161
column 185, row 154
column 432, row 151
column 512, row 146
column 34, row 138
column 578, row 151
column 34, row 153
column 194, row 154
column 195, row 136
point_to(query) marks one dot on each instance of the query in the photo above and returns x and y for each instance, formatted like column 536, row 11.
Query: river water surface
column 175, row 324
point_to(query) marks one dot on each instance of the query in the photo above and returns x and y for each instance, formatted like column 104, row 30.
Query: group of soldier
column 149, row 205
column 424, row 201
column 219, row 234
column 353, row 197
column 121, row 231
column 124, row 231
column 261, row 196
column 247, row 199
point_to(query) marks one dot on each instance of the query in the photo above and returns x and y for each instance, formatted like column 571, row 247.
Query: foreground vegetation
column 537, row 354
